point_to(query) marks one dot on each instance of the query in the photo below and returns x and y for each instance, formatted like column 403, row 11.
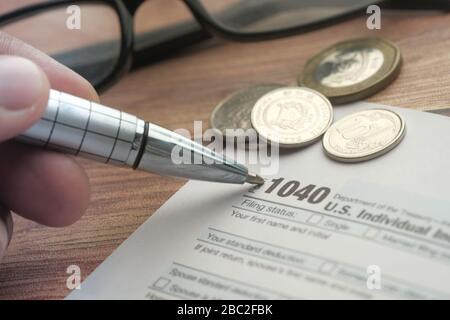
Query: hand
column 43, row 186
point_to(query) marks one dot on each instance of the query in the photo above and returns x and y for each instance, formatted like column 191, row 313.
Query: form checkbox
column 161, row 283
column 315, row 218
column 371, row 233
column 327, row 267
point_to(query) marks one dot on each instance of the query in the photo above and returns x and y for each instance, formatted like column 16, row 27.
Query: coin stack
column 297, row 116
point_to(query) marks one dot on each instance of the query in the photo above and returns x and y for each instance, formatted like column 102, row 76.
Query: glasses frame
column 204, row 27
column 126, row 32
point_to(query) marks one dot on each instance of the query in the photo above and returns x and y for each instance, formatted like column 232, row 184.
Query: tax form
column 316, row 229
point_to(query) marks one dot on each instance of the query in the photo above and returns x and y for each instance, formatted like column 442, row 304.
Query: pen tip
column 254, row 179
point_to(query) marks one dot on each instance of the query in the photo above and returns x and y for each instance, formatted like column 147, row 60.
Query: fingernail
column 21, row 83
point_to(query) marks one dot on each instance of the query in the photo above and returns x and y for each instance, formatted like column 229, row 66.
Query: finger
column 24, row 90
column 61, row 78
column 58, row 205
column 46, row 187
column 6, row 227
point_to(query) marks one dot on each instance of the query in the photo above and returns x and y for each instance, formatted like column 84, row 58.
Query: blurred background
column 160, row 27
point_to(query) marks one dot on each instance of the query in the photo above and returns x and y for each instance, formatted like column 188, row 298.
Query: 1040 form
column 317, row 229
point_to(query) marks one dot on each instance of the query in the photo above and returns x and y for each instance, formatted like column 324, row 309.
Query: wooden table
column 185, row 88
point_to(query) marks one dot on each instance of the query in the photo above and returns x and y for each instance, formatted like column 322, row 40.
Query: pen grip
column 81, row 127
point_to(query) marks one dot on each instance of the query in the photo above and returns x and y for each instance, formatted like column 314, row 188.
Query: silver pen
column 80, row 127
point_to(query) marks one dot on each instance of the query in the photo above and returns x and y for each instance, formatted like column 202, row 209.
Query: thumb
column 24, row 91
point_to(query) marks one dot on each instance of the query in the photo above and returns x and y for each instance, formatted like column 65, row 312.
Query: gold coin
column 364, row 135
column 352, row 70
column 234, row 112
column 292, row 116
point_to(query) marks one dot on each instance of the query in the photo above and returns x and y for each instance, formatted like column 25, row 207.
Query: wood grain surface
column 177, row 91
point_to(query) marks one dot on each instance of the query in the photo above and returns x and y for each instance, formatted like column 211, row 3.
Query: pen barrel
column 80, row 127
column 84, row 128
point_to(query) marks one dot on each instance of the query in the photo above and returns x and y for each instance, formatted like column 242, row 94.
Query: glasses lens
column 158, row 14
column 8, row 6
column 253, row 16
column 84, row 37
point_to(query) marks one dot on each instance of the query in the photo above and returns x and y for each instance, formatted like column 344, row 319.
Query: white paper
column 223, row 241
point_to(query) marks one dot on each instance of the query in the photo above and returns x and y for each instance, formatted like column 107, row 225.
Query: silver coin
column 352, row 70
column 364, row 135
column 292, row 116
column 349, row 67
column 233, row 113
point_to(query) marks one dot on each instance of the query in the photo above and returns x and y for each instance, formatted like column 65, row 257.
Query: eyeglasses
column 101, row 40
